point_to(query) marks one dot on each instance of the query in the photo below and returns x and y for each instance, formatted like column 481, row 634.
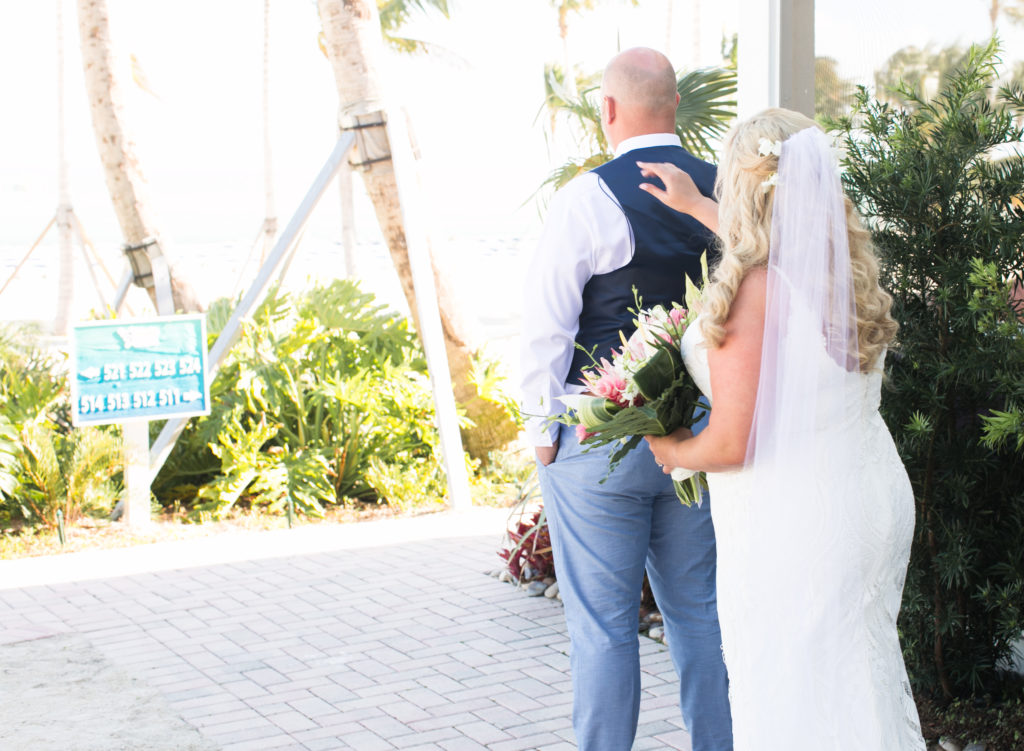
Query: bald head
column 639, row 90
column 641, row 79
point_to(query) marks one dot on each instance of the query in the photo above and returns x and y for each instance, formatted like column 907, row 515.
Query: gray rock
column 549, row 580
column 656, row 632
column 552, row 590
column 536, row 589
column 975, row 747
column 505, row 576
column 527, row 571
column 948, row 744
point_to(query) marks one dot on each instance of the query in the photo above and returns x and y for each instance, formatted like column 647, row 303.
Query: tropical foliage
column 948, row 222
column 46, row 466
column 394, row 14
column 833, row 94
column 707, row 105
column 912, row 75
column 324, row 400
column 527, row 548
column 1012, row 10
column 526, row 545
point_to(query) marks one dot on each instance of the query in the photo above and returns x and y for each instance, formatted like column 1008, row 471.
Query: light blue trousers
column 604, row 535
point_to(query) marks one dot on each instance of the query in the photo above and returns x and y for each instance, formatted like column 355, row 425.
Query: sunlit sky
column 472, row 103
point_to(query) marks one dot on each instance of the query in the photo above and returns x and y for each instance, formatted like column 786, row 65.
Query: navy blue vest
column 666, row 245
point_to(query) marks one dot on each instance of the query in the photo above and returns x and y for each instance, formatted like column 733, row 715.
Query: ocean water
column 484, row 274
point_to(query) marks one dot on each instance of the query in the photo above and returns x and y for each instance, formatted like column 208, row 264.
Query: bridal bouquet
column 643, row 390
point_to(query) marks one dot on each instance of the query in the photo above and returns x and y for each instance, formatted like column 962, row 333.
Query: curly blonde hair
column 745, row 225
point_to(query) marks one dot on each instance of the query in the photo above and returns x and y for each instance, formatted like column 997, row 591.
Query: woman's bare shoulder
column 751, row 294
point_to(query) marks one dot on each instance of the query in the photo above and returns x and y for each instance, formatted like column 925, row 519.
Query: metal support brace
column 122, row 290
column 254, row 296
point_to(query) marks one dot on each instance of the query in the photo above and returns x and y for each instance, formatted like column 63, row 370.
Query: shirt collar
column 646, row 141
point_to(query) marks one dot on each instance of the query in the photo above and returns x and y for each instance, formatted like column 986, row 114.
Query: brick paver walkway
column 381, row 635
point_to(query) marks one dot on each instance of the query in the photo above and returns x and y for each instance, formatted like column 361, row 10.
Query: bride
column 812, row 508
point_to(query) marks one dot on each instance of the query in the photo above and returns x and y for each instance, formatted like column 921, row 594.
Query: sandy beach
column 70, row 696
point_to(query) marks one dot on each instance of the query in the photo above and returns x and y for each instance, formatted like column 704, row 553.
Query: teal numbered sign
column 150, row 369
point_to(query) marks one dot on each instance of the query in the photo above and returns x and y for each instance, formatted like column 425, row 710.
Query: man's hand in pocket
column 547, row 454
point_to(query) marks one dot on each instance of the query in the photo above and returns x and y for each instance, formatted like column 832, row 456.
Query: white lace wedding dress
column 810, row 576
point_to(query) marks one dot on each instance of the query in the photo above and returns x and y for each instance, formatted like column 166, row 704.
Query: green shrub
column 67, row 471
column 32, row 378
column 46, row 465
column 948, row 225
column 324, row 399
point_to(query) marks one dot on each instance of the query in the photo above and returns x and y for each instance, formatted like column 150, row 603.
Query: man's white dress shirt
column 585, row 234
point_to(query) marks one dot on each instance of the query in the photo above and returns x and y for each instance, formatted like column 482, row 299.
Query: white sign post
column 128, row 372
column 136, row 473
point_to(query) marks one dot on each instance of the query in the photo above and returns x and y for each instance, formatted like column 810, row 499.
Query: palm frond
column 10, row 452
column 706, row 105
column 395, row 13
column 573, row 168
column 41, row 469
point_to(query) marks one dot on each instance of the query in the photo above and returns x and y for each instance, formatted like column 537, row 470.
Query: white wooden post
column 431, row 333
column 137, row 474
column 776, row 56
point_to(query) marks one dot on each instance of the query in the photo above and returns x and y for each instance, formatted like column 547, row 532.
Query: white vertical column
column 137, row 476
column 796, row 55
column 776, row 56
column 429, row 315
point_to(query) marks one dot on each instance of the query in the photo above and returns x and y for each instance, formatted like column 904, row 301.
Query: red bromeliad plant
column 528, row 543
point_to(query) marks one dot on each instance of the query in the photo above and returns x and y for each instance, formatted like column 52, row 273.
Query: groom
column 604, row 236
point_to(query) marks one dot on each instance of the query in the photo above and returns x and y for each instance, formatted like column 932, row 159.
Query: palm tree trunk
column 354, row 47
column 563, row 32
column 66, row 276
column 125, row 182
column 668, row 28
column 269, row 209
column 695, row 40
column 348, row 221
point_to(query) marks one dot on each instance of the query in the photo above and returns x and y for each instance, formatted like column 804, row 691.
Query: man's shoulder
column 686, row 159
column 675, row 154
column 583, row 187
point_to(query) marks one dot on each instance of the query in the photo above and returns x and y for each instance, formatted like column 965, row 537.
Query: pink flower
column 636, row 346
column 582, row 434
column 610, row 384
column 677, row 315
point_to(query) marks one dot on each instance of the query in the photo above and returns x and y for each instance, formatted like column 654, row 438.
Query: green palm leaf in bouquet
column 644, row 390
column 670, row 401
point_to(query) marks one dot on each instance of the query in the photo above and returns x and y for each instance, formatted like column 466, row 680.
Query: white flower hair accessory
column 769, row 148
